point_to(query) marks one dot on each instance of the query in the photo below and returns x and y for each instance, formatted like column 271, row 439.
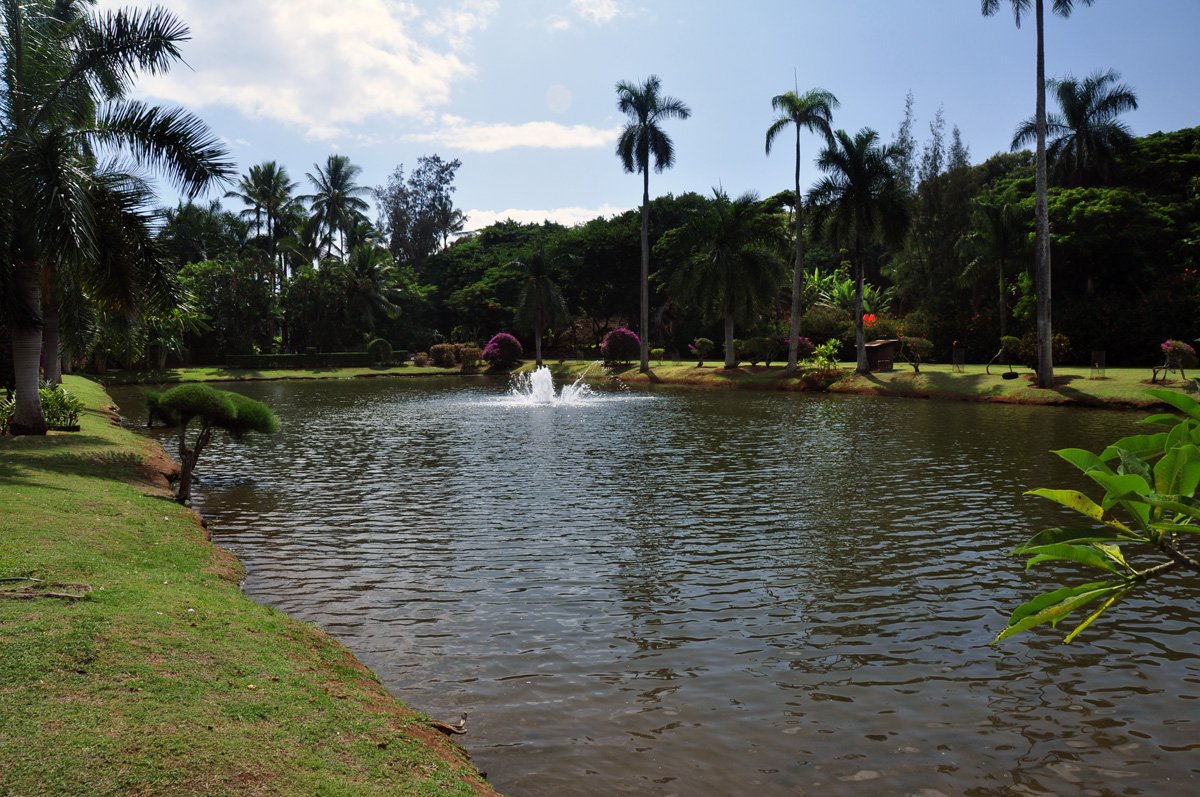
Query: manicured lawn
column 165, row 679
column 221, row 374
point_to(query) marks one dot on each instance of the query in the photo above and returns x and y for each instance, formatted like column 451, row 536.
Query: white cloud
column 556, row 23
column 320, row 66
column 478, row 219
column 597, row 12
column 469, row 136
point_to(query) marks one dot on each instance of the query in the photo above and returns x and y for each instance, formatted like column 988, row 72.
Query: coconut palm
column 1063, row 8
column 857, row 201
column 60, row 108
column 997, row 238
column 813, row 111
column 540, row 303
column 371, row 283
column 641, row 138
column 729, row 262
column 266, row 190
column 337, row 198
column 1086, row 137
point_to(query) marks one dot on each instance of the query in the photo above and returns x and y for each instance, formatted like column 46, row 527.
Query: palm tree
column 858, row 200
column 812, row 111
column 540, row 303
column 996, row 238
column 1086, row 138
column 642, row 138
column 60, row 107
column 371, row 278
column 1063, row 8
column 729, row 263
column 337, row 199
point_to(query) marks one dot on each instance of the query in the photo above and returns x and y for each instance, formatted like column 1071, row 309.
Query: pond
column 726, row 593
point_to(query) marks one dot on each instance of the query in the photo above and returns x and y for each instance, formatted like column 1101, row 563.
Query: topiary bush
column 380, row 351
column 658, row 354
column 915, row 351
column 822, row 322
column 470, row 357
column 700, row 349
column 503, row 350
column 442, row 355
column 420, row 359
column 620, row 347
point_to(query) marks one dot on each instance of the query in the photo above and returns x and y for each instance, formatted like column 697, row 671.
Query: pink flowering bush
column 503, row 350
column 620, row 346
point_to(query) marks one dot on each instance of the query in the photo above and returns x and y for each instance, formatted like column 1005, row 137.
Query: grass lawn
column 164, row 679
column 222, row 374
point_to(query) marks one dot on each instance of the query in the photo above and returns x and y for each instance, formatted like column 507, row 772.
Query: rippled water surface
column 697, row 593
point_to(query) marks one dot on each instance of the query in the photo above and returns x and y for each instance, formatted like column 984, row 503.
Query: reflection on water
column 708, row 593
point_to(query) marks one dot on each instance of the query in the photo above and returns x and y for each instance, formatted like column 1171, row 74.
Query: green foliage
column 1148, row 505
column 156, row 412
column 1027, row 349
column 469, row 357
column 823, row 322
column 915, row 351
column 380, row 350
column 825, row 356
column 658, row 353
column 59, row 407
column 249, row 416
column 192, row 401
column 760, row 348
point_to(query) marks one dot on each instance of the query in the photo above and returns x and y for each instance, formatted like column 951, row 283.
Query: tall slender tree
column 859, row 199
column 641, row 139
column 61, row 108
column 540, row 303
column 337, row 198
column 1085, row 138
column 1063, row 8
column 813, row 111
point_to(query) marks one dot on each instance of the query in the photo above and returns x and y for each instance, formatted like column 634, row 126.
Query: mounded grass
column 222, row 374
column 165, row 679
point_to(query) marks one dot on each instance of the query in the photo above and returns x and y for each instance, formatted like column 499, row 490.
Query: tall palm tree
column 1063, row 8
column 540, row 303
column 266, row 190
column 813, row 111
column 729, row 262
column 338, row 199
column 1086, row 137
column 61, row 106
column 642, row 138
column 996, row 238
column 857, row 201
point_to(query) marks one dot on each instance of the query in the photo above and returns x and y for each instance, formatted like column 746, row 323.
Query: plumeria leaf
column 1073, row 499
column 1176, row 528
column 1178, row 472
column 1118, row 487
column 1091, row 534
column 1084, row 460
column 1131, row 463
column 1085, row 554
column 1091, row 617
column 1184, row 403
column 1053, row 606
column 1142, row 445
column 1163, row 419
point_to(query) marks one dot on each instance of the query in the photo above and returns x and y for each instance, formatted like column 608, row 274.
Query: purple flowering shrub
column 1177, row 347
column 804, row 347
column 621, row 346
column 503, row 350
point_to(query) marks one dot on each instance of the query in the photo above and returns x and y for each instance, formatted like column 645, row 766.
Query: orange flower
column 869, row 319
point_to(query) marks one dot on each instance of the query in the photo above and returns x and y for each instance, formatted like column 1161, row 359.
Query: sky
column 523, row 91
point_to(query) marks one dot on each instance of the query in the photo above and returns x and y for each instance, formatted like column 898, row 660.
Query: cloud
column 597, row 12
column 322, row 67
column 495, row 137
column 556, row 23
column 478, row 219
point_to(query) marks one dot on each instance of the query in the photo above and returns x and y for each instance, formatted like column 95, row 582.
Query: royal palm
column 640, row 140
column 1063, row 8
column 813, row 111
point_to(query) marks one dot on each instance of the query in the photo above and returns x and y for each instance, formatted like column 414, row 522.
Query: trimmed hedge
column 331, row 359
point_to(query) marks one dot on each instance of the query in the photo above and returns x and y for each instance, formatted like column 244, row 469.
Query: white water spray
column 537, row 388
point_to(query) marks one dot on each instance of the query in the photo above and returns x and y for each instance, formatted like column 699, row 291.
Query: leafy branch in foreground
column 1152, row 480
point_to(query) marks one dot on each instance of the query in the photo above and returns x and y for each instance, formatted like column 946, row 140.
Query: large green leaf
column 1084, row 554
column 1142, row 445
column 1132, row 463
column 1176, row 528
column 1091, row 617
column 1053, row 606
column 1120, row 486
column 1162, row 419
column 1084, row 460
column 1178, row 472
column 1181, row 505
column 1073, row 499
column 1090, row 534
column 1180, row 401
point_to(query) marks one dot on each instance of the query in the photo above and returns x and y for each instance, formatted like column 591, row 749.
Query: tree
column 337, row 199
column 641, row 138
column 997, row 236
column 728, row 262
column 812, row 111
column 858, row 200
column 1086, row 137
column 1063, row 8
column 541, row 301
column 417, row 213
column 212, row 409
column 61, row 107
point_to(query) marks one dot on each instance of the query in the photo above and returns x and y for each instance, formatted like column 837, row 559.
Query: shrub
column 59, row 407
column 441, row 355
column 503, row 350
column 700, row 349
column 1180, row 352
column 7, row 406
column 826, row 356
column 804, row 347
column 420, row 359
column 658, row 354
column 620, row 346
column 915, row 350
column 758, row 349
column 470, row 357
column 380, row 350
column 1060, row 346
column 155, row 411
column 822, row 322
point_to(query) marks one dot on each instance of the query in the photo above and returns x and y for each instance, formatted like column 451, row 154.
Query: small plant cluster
column 620, row 347
column 450, row 355
column 502, row 351
column 825, row 356
column 60, row 408
column 380, row 351
column 700, row 348
column 915, row 351
column 1177, row 348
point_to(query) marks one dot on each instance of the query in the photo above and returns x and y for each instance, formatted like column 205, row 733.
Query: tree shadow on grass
column 68, row 454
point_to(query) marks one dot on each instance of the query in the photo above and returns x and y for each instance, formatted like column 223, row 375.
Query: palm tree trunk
column 798, row 270
column 730, row 351
column 1045, row 364
column 51, row 345
column 27, row 417
column 860, row 338
column 644, row 329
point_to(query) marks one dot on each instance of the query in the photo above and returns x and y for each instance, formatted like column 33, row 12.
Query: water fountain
column 537, row 388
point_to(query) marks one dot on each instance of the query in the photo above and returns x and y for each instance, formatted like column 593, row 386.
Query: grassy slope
column 166, row 679
column 220, row 374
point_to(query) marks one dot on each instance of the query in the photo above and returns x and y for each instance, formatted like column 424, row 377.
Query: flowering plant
column 700, row 349
column 869, row 319
column 1176, row 347
column 621, row 345
column 503, row 349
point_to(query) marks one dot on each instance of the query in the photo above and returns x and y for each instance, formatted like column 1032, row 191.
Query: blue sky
column 522, row 91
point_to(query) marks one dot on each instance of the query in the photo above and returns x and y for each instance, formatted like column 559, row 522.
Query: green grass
column 222, row 374
column 165, row 679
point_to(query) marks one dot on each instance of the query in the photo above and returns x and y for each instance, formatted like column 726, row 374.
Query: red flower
column 869, row 319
